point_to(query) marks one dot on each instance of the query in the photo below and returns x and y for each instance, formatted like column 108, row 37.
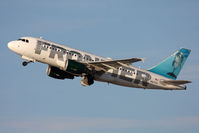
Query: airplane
column 67, row 63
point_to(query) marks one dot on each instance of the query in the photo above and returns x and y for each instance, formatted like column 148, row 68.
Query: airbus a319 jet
column 66, row 63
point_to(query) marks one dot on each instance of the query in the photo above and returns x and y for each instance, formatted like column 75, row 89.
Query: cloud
column 72, row 123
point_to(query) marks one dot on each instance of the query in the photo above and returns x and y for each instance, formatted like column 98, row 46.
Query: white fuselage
column 53, row 54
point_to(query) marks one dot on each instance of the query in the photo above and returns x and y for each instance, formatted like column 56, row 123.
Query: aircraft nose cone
column 11, row 45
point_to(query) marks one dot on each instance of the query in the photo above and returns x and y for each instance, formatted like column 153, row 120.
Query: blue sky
column 30, row 101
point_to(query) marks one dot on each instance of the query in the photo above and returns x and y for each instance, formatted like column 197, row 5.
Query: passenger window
column 27, row 41
column 96, row 59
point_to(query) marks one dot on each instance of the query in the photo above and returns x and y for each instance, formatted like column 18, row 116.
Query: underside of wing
column 113, row 64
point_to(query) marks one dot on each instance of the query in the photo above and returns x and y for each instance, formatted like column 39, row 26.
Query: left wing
column 113, row 64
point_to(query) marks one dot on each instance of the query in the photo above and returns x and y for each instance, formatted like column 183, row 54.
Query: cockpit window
column 24, row 40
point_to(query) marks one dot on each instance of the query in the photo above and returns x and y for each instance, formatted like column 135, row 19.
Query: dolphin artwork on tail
column 177, row 62
column 172, row 65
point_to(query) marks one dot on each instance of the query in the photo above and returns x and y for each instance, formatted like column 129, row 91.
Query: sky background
column 30, row 101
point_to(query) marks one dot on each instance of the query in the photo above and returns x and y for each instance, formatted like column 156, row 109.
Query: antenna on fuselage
column 41, row 37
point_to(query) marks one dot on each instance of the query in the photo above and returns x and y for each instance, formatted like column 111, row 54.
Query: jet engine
column 57, row 73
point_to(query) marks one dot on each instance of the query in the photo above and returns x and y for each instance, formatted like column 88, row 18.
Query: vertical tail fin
column 171, row 66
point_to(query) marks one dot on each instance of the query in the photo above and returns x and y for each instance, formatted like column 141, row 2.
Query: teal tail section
column 171, row 66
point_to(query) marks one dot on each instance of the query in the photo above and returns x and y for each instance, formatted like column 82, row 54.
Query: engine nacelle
column 57, row 73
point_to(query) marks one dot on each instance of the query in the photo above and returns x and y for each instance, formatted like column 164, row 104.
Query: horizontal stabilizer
column 176, row 82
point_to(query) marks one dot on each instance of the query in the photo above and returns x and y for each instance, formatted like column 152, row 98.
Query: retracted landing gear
column 25, row 63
